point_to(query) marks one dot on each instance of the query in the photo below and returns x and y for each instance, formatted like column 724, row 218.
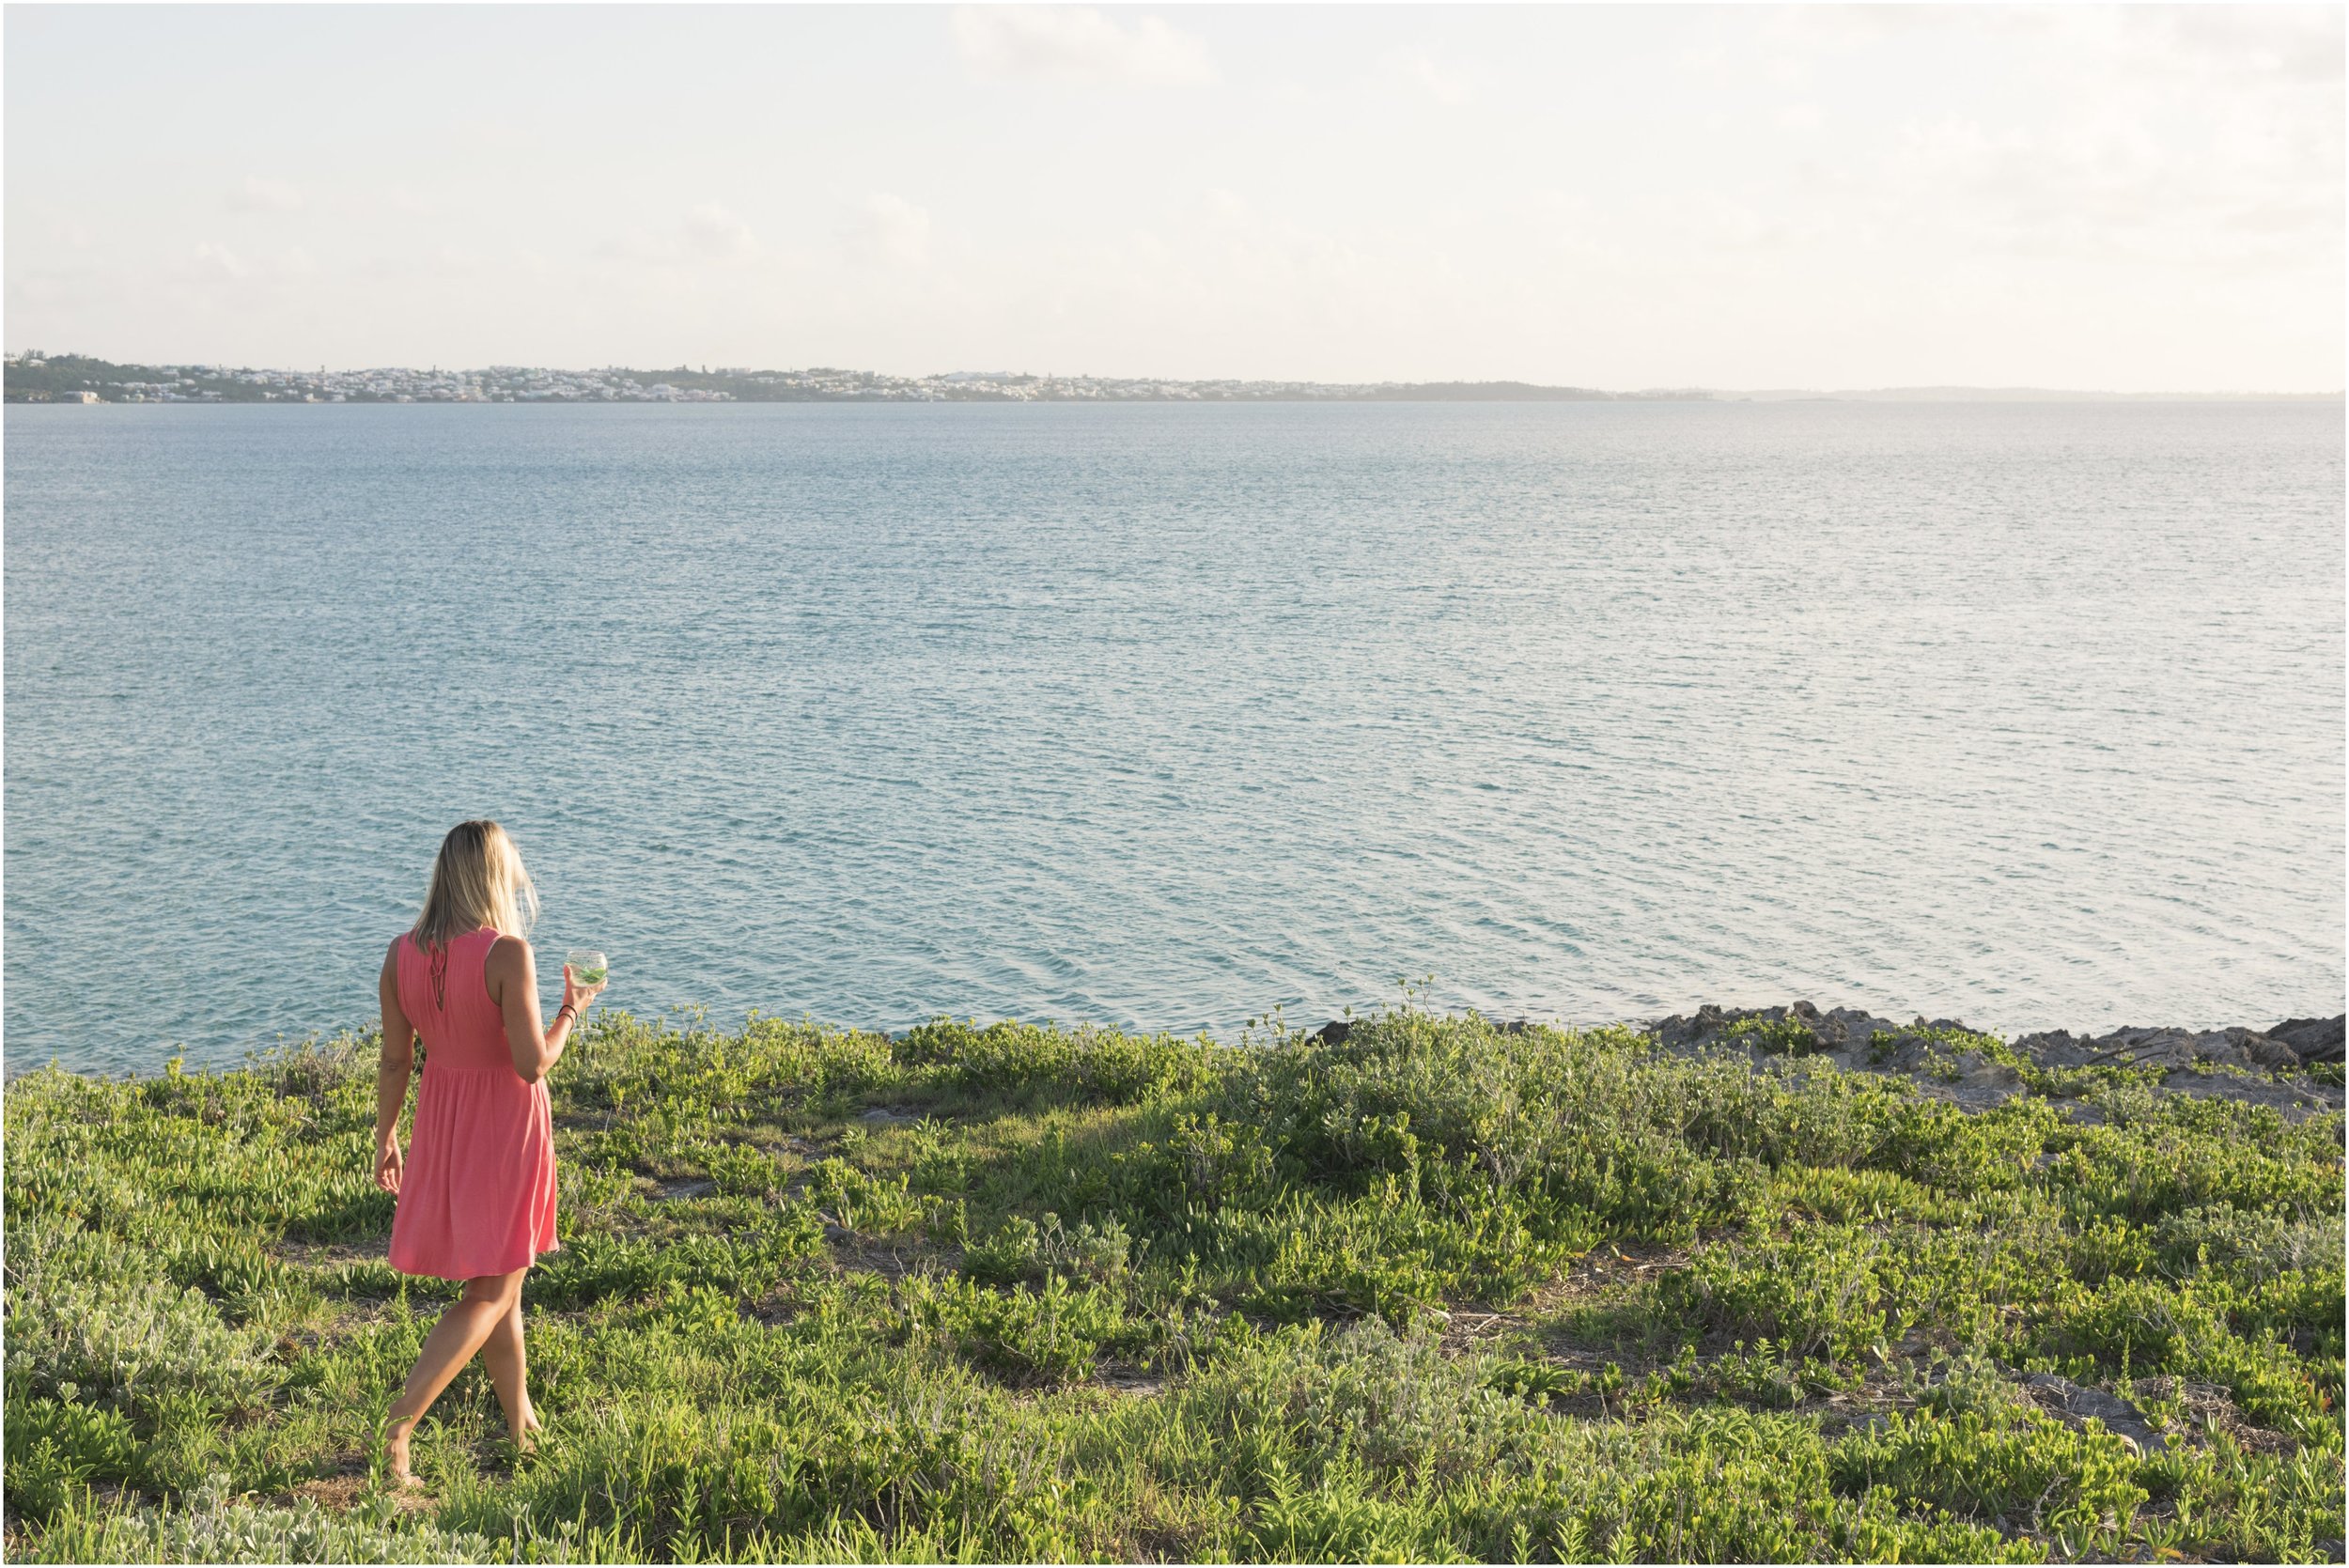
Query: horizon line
column 16, row 360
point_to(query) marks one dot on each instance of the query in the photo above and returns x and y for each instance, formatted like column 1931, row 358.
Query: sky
column 2131, row 199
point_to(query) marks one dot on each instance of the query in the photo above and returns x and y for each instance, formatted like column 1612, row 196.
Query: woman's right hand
column 576, row 996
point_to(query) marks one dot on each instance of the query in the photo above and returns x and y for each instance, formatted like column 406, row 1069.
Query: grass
column 1437, row 1291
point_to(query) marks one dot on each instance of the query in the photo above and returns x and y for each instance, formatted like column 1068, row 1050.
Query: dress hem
column 475, row 1274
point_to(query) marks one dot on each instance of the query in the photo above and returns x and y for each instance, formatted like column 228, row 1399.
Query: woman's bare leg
column 509, row 1367
column 453, row 1340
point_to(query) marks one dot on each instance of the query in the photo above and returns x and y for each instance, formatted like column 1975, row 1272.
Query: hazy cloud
column 1226, row 206
column 708, row 233
column 713, row 232
column 1417, row 70
column 213, row 263
column 888, row 229
column 1076, row 43
column 265, row 195
column 219, row 260
column 2294, row 43
column 633, row 244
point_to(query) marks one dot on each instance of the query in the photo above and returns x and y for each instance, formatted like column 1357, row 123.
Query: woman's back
column 477, row 1197
column 446, row 993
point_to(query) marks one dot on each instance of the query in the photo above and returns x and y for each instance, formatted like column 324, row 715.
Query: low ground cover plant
column 1433, row 1289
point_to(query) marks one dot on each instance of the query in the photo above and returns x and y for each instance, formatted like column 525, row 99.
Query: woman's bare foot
column 526, row 1436
column 396, row 1435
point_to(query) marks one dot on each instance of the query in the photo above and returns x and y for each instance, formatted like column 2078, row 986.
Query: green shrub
column 1733, row 1308
column 1101, row 1066
column 79, row 1312
column 1023, row 1250
column 1392, row 1403
column 1051, row 1334
column 56, row 1448
column 209, row 1525
column 2014, row 1468
column 1537, row 1381
column 1786, row 1036
column 598, row 1268
column 1817, row 1292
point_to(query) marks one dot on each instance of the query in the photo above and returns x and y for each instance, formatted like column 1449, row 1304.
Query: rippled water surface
column 1162, row 715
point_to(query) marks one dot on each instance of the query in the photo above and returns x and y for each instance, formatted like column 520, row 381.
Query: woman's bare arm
column 512, row 973
column 393, row 1069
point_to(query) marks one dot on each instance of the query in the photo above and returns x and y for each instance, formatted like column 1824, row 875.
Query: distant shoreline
column 75, row 379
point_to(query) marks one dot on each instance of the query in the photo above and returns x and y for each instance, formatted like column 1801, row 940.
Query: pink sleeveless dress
column 478, row 1194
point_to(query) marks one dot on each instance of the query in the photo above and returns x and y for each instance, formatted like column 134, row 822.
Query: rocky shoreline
column 2279, row 1065
column 2293, row 1065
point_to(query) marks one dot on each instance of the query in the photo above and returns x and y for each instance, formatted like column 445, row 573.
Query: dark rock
column 2176, row 1049
column 2242, row 1047
column 2261, row 1051
column 2296, row 1099
column 2311, row 1039
column 2057, row 1047
column 1516, row 1026
column 2140, row 1047
column 1849, row 1028
column 1977, row 1071
column 2208, row 1061
column 1680, row 1033
column 1869, row 1040
column 1711, row 1023
column 1333, row 1032
column 2181, row 1049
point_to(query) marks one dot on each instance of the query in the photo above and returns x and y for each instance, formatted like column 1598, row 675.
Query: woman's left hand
column 388, row 1164
column 577, row 994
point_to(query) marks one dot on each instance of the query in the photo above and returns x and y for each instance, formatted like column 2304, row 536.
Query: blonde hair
column 478, row 880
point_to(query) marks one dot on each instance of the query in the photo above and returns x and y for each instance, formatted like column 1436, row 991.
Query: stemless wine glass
column 586, row 966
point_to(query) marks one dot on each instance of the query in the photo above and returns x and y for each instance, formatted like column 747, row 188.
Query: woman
column 477, row 1192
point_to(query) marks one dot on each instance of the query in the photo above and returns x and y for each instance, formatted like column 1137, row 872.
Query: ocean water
column 1163, row 716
